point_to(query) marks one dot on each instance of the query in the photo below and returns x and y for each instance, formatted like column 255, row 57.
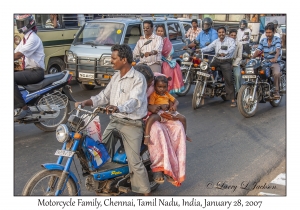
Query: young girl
column 167, row 103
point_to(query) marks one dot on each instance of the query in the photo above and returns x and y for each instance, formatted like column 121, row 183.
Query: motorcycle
column 102, row 177
column 48, row 101
column 206, row 84
column 259, row 85
column 189, row 67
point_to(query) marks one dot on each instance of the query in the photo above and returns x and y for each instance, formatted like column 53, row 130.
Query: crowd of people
column 141, row 95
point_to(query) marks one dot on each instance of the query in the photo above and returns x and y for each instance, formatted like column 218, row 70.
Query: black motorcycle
column 259, row 86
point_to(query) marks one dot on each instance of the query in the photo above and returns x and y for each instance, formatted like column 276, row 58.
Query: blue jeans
column 237, row 77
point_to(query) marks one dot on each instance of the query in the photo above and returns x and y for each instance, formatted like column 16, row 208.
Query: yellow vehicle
column 56, row 40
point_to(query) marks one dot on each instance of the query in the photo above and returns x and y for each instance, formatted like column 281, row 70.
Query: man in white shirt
column 126, row 96
column 151, row 51
column 31, row 51
column 193, row 32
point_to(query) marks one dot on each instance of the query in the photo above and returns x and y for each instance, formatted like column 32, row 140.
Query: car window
column 133, row 34
column 100, row 34
column 174, row 31
column 186, row 26
column 43, row 21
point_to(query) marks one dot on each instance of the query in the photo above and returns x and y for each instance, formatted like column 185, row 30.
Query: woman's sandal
column 170, row 179
column 158, row 177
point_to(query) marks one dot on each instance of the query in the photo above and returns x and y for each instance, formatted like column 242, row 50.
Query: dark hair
column 162, row 79
column 146, row 71
column 221, row 27
column 233, row 31
column 149, row 22
column 270, row 26
column 160, row 26
column 124, row 51
column 195, row 21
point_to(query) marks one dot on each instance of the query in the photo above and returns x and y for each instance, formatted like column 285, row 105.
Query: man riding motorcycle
column 31, row 51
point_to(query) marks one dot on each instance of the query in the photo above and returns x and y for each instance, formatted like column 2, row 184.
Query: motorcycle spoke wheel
column 187, row 83
column 44, row 184
column 197, row 99
column 246, row 104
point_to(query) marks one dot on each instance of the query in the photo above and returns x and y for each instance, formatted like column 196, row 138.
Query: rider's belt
column 35, row 68
column 228, row 60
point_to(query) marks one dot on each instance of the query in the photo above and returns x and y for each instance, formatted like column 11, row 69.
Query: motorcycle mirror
column 246, row 33
column 224, row 47
column 196, row 42
column 148, row 42
column 207, row 43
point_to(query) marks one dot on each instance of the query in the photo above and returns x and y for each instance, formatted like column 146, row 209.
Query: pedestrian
column 237, row 57
column 193, row 32
column 152, row 51
column 223, row 60
column 126, row 96
column 31, row 51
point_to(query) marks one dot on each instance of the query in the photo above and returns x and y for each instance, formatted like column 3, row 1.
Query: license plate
column 64, row 153
column 86, row 75
column 248, row 76
column 203, row 74
column 186, row 63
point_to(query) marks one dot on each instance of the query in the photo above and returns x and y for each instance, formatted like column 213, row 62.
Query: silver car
column 89, row 57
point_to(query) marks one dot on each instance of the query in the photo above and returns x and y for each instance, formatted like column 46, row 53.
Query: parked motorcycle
column 48, row 101
column 206, row 84
column 102, row 177
column 259, row 86
column 189, row 67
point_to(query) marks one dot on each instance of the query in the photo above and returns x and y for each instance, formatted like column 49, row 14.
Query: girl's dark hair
column 124, row 51
column 162, row 79
column 146, row 71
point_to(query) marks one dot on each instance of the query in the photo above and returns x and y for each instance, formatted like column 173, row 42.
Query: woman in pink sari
column 167, row 143
column 170, row 67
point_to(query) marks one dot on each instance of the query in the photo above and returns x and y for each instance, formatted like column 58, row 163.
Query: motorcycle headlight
column 203, row 65
column 62, row 133
column 249, row 71
column 186, row 57
column 17, row 39
column 71, row 57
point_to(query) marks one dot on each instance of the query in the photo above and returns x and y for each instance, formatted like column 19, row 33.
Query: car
column 91, row 62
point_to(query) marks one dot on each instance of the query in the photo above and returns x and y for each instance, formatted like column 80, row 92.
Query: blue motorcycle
column 102, row 176
column 48, row 100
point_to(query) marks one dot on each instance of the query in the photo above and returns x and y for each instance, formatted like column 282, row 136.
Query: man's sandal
column 158, row 177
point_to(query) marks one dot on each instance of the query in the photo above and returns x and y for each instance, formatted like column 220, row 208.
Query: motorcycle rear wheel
column 50, row 124
column 187, row 84
column 47, row 178
column 247, row 108
column 196, row 95
column 145, row 155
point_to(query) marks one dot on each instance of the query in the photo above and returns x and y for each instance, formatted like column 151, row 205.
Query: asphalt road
column 228, row 152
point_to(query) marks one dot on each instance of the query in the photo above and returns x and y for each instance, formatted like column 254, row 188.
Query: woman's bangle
column 147, row 136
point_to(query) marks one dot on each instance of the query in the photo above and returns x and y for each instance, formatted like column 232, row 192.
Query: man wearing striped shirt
column 193, row 32
column 151, row 51
column 223, row 60
column 270, row 44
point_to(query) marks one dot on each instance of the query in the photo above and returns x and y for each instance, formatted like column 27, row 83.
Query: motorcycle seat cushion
column 48, row 79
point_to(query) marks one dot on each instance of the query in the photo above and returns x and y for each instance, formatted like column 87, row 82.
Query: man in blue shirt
column 207, row 35
column 270, row 44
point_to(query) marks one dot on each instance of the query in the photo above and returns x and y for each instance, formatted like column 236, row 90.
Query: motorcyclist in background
column 241, row 37
column 277, row 29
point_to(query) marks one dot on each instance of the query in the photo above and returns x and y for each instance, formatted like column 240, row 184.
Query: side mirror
column 224, row 47
column 196, row 42
column 246, row 33
column 207, row 43
column 148, row 42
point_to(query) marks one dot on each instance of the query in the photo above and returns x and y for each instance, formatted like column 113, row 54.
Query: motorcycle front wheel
column 187, row 85
column 52, row 123
column 246, row 105
column 44, row 183
column 196, row 95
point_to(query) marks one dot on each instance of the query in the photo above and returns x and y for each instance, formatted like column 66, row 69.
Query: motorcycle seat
column 48, row 79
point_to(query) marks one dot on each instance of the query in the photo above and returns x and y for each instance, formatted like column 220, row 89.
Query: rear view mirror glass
column 224, row 47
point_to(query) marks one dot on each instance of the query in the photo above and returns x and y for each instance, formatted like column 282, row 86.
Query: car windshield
column 100, row 34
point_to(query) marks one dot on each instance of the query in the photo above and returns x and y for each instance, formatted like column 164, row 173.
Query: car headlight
column 249, row 71
column 62, row 133
column 186, row 57
column 203, row 65
column 17, row 39
column 107, row 61
column 71, row 57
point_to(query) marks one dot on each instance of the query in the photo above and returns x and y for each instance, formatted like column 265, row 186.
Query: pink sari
column 167, row 148
column 170, row 68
